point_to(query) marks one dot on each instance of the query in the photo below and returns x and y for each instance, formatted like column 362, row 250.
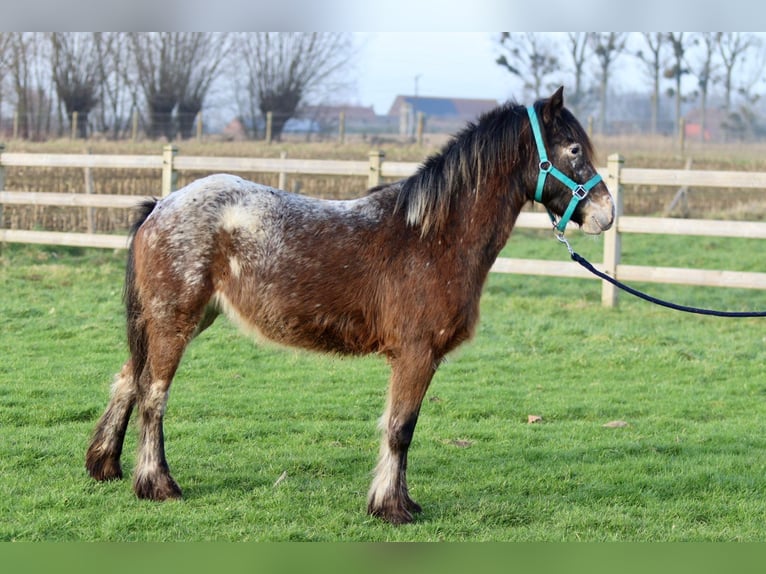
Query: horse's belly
column 297, row 326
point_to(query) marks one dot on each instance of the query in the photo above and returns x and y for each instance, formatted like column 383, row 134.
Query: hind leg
column 389, row 496
column 103, row 457
column 167, row 342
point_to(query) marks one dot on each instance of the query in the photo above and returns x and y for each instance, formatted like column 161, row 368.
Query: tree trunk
column 655, row 101
column 602, row 104
column 187, row 113
column 161, row 118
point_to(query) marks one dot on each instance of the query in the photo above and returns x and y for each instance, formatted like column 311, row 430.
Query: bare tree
column 5, row 59
column 530, row 56
column 75, row 65
column 704, row 69
column 285, row 69
column 733, row 48
column 607, row 46
column 578, row 44
column 118, row 95
column 30, row 78
column 653, row 62
column 743, row 121
column 154, row 55
column 175, row 71
column 679, row 43
column 206, row 52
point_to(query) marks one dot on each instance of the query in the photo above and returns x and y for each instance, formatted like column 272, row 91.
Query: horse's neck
column 484, row 221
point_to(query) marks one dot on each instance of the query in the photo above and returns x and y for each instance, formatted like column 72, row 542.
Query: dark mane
column 464, row 162
column 426, row 197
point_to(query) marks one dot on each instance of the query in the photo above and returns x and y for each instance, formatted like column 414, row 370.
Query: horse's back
column 287, row 266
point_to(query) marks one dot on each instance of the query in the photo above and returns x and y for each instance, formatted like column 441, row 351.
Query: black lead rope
column 585, row 263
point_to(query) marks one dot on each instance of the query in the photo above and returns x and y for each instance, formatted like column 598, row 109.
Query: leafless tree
column 733, row 48
column 154, row 55
column 283, row 70
column 578, row 44
column 704, row 68
column 5, row 52
column 175, row 71
column 207, row 53
column 653, row 60
column 118, row 95
column 75, row 66
column 530, row 56
column 607, row 47
column 679, row 42
column 30, row 77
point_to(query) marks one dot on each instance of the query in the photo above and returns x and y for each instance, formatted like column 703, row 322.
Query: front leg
column 389, row 497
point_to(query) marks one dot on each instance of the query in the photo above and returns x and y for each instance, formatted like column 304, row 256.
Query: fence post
column 199, row 126
column 282, row 184
column 2, row 184
column 342, row 127
column 169, row 173
column 134, row 126
column 376, row 160
column 612, row 239
column 89, row 189
column 269, row 119
column 75, row 121
column 682, row 134
column 419, row 129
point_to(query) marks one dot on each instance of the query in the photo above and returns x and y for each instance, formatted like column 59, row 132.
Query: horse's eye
column 574, row 149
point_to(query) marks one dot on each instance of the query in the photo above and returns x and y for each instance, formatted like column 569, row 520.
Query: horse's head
column 565, row 180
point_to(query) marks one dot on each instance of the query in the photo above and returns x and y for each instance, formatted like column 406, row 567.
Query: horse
column 398, row 271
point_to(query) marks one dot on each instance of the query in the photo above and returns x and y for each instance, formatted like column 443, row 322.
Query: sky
column 462, row 65
column 446, row 64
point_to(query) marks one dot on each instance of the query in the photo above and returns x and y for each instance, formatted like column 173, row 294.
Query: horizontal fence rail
column 375, row 170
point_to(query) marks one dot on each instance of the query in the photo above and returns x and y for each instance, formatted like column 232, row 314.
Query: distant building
column 441, row 114
column 321, row 119
column 352, row 114
column 462, row 109
column 715, row 124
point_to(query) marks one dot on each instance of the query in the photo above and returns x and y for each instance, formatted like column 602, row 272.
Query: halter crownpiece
column 579, row 191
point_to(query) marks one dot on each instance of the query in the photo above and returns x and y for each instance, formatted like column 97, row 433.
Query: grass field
column 689, row 464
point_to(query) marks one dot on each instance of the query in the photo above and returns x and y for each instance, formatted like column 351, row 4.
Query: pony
column 398, row 272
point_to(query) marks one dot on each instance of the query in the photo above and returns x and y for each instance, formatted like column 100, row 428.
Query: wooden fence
column 375, row 168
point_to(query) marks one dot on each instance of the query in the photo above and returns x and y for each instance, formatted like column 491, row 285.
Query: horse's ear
column 554, row 104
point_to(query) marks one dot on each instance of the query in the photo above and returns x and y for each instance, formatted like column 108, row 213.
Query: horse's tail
column 136, row 322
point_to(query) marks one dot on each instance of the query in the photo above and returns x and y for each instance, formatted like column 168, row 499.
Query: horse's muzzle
column 598, row 215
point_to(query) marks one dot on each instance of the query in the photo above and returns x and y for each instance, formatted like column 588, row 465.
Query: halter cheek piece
column 579, row 191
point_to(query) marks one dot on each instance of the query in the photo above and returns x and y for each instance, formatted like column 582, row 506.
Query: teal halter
column 579, row 191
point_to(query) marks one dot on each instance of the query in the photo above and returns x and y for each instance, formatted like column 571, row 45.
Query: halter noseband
column 579, row 191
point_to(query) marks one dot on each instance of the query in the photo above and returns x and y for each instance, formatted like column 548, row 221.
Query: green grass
column 690, row 465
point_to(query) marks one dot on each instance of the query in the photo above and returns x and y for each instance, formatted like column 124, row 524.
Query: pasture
column 275, row 444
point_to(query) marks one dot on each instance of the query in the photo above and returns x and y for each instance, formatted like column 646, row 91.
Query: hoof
column 412, row 506
column 103, row 468
column 398, row 513
column 156, row 487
